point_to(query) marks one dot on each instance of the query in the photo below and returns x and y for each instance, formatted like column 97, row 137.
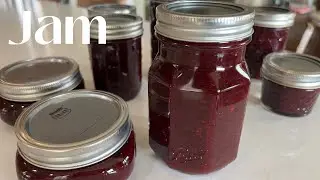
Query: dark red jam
column 286, row 100
column 154, row 40
column 116, row 66
column 10, row 110
column 117, row 167
column 264, row 41
column 197, row 101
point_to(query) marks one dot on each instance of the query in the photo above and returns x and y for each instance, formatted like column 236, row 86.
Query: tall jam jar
column 154, row 40
column 116, row 64
column 105, row 9
column 291, row 83
column 271, row 29
column 79, row 135
column 310, row 41
column 198, row 84
column 25, row 82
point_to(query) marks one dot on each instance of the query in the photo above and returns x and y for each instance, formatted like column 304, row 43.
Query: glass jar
column 25, row 82
column 95, row 140
column 310, row 41
column 198, row 84
column 154, row 40
column 105, row 9
column 291, row 83
column 116, row 64
column 271, row 27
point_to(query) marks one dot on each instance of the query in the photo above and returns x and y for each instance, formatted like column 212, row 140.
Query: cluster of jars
column 204, row 54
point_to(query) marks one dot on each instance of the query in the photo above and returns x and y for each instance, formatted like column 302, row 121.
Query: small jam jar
column 271, row 29
column 78, row 135
column 154, row 41
column 116, row 65
column 310, row 41
column 105, row 9
column 291, row 83
column 199, row 83
column 25, row 82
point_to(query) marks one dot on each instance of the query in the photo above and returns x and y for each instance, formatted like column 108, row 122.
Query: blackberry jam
column 291, row 83
column 94, row 143
column 271, row 31
column 198, row 84
column 116, row 63
column 153, row 18
column 25, row 82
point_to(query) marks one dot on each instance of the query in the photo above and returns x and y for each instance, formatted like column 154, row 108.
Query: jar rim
column 292, row 70
column 273, row 17
column 119, row 26
column 105, row 9
column 23, row 87
column 48, row 150
column 204, row 21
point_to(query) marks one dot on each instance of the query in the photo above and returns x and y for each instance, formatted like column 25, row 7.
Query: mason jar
column 199, row 83
column 105, row 9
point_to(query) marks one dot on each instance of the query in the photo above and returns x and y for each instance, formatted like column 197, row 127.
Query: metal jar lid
column 292, row 70
column 105, row 9
column 204, row 21
column 273, row 17
column 73, row 130
column 33, row 79
column 119, row 26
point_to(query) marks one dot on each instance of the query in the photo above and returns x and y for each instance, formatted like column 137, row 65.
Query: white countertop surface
column 273, row 147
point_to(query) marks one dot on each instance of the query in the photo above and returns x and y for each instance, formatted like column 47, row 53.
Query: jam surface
column 264, row 42
column 197, row 101
column 117, row 167
column 288, row 101
column 10, row 110
column 116, row 66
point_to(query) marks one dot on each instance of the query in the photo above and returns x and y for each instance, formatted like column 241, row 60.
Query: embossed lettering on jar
column 25, row 82
column 291, row 83
column 80, row 135
column 198, row 84
column 271, row 31
column 105, row 9
column 116, row 65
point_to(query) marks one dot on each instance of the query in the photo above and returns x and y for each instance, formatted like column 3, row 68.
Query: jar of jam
column 78, row 135
column 105, row 9
column 271, row 27
column 291, row 83
column 310, row 41
column 154, row 40
column 198, row 84
column 116, row 64
column 25, row 82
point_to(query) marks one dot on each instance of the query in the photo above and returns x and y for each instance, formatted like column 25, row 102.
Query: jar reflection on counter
column 116, row 64
column 95, row 140
column 291, row 83
column 198, row 84
column 271, row 34
column 25, row 82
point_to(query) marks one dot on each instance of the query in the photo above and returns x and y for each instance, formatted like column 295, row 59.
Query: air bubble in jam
column 264, row 41
column 196, row 112
column 286, row 100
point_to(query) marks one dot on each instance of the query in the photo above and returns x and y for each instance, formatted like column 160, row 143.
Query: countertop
column 273, row 147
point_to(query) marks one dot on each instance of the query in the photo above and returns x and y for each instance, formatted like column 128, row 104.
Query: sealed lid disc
column 204, row 21
column 105, row 9
column 273, row 17
column 33, row 79
column 292, row 70
column 73, row 130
